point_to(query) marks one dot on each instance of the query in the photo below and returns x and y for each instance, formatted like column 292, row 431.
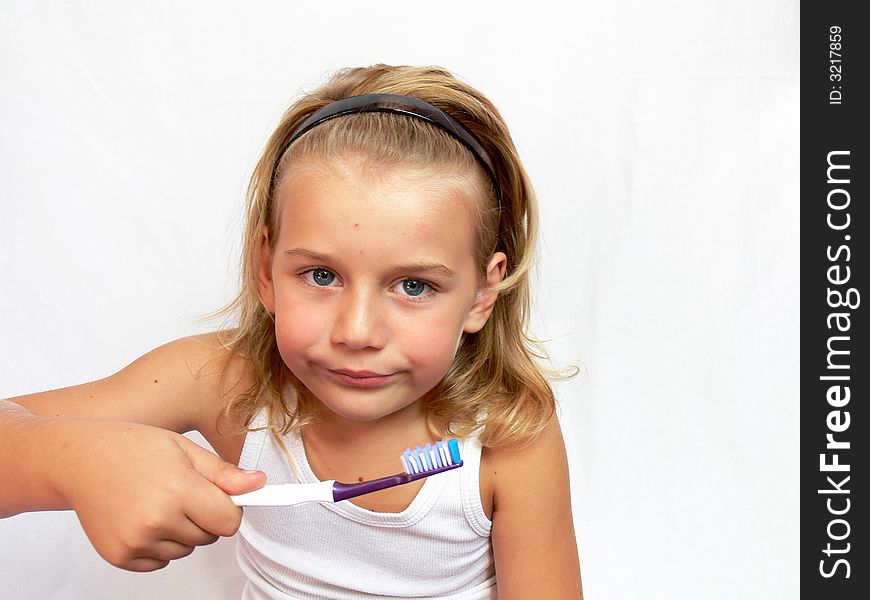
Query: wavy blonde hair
column 496, row 384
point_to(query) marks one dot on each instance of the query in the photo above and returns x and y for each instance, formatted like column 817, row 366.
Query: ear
column 486, row 296
column 265, row 285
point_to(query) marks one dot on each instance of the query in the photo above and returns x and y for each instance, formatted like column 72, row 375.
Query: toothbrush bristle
column 409, row 462
column 431, row 457
column 453, row 447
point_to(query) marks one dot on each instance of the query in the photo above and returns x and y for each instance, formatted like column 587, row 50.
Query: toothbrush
column 419, row 463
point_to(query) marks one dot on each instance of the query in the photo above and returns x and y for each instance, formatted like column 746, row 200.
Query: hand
column 145, row 495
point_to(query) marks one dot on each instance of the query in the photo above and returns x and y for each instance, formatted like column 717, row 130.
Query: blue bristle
column 438, row 457
column 427, row 460
column 409, row 459
column 428, row 455
column 418, row 454
column 434, row 456
column 453, row 447
column 445, row 455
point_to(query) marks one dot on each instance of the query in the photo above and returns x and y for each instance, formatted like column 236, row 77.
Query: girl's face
column 373, row 281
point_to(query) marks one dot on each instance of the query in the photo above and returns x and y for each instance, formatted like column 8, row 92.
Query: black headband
column 404, row 105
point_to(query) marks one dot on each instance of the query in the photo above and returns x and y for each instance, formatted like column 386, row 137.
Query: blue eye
column 322, row 277
column 412, row 287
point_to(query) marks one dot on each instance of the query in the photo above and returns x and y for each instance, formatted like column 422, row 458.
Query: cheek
column 298, row 328
column 432, row 345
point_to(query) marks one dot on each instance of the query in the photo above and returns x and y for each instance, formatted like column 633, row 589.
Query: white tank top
column 437, row 548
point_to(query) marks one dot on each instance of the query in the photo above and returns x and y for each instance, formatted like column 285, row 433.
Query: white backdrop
column 662, row 138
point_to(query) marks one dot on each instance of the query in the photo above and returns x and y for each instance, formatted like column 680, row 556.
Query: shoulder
column 200, row 368
column 201, row 364
column 532, row 525
column 541, row 457
column 202, row 375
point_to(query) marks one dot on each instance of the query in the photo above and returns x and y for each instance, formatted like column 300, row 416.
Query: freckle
column 360, row 480
column 155, row 381
column 356, row 225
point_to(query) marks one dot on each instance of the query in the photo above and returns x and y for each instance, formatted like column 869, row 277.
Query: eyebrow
column 419, row 267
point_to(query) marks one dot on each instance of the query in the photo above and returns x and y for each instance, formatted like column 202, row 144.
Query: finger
column 209, row 508
column 192, row 534
column 167, row 550
column 214, row 512
column 158, row 556
column 226, row 476
column 144, row 564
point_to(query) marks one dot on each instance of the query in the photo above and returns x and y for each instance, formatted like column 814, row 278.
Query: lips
column 363, row 379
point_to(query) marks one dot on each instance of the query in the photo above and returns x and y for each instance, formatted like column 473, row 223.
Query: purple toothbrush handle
column 343, row 491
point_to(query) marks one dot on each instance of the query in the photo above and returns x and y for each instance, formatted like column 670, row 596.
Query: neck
column 346, row 449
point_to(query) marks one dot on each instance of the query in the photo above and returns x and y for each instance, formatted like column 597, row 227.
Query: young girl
column 384, row 304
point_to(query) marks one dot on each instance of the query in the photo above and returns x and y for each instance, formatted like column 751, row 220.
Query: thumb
column 226, row 476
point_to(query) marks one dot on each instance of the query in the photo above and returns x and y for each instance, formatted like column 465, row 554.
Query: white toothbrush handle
column 286, row 494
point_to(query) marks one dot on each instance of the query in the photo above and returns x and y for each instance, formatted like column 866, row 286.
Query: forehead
column 320, row 197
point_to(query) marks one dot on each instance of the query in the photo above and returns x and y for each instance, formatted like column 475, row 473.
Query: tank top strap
column 254, row 440
column 470, row 450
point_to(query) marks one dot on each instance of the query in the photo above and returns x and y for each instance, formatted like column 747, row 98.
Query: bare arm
column 176, row 387
column 111, row 450
column 533, row 532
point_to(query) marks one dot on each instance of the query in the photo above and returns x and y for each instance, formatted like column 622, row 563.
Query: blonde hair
column 495, row 384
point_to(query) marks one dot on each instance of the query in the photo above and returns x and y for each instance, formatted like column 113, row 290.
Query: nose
column 359, row 323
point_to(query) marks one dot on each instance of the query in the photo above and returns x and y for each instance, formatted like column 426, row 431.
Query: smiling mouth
column 362, row 379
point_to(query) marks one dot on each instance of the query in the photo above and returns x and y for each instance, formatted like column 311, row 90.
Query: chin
column 358, row 413
column 366, row 416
